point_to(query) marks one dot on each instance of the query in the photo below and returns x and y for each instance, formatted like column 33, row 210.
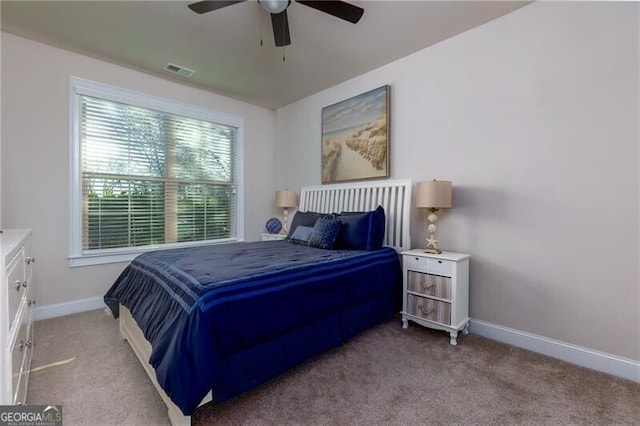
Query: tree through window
column 150, row 177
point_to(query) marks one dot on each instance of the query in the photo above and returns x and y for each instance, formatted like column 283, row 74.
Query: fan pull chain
column 261, row 27
column 283, row 58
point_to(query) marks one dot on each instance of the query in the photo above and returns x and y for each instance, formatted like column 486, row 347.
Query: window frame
column 81, row 87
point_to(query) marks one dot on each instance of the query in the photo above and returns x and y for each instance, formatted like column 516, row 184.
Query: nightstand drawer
column 431, row 266
column 430, row 309
column 429, row 284
column 273, row 237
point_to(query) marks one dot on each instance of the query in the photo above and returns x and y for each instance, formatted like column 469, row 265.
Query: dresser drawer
column 29, row 260
column 21, row 390
column 18, row 355
column 429, row 284
column 429, row 309
column 16, row 289
column 431, row 266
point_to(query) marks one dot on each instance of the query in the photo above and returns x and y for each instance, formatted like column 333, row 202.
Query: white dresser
column 16, row 315
column 436, row 291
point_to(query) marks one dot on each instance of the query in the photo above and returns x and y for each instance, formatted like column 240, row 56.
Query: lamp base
column 432, row 243
column 432, row 250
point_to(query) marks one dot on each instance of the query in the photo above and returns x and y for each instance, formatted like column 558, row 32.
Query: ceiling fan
column 278, row 11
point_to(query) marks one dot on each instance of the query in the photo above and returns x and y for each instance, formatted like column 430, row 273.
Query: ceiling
column 223, row 46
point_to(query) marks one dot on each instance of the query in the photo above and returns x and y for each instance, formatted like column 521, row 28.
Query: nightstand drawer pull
column 425, row 311
column 429, row 285
column 430, row 309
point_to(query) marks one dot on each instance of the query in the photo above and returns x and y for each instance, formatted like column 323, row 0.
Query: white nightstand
column 272, row 237
column 435, row 291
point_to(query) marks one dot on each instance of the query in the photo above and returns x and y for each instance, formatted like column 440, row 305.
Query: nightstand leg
column 465, row 330
column 405, row 323
column 454, row 337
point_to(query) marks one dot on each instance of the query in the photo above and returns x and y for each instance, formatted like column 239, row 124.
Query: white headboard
column 393, row 195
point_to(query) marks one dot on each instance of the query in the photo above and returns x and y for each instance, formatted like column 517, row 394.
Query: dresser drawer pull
column 428, row 286
column 21, row 346
column 18, row 284
column 30, row 343
column 30, row 260
column 31, row 302
column 24, row 284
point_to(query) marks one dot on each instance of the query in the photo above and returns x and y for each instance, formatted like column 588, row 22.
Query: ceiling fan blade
column 339, row 9
column 208, row 6
column 280, row 25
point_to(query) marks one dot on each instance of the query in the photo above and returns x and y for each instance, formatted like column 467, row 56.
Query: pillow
column 324, row 233
column 361, row 230
column 303, row 219
column 301, row 235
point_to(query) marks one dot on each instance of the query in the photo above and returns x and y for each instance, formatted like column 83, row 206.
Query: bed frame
column 393, row 195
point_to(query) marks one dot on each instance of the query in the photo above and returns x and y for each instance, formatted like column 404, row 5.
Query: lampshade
column 285, row 199
column 434, row 194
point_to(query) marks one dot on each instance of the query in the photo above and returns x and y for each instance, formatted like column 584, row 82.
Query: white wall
column 534, row 117
column 35, row 156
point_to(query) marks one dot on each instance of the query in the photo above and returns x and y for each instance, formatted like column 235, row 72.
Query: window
column 147, row 172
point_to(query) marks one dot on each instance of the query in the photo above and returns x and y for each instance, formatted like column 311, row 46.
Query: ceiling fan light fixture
column 274, row 6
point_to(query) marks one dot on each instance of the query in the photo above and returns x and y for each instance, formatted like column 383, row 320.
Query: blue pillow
column 303, row 219
column 324, row 233
column 361, row 230
column 301, row 235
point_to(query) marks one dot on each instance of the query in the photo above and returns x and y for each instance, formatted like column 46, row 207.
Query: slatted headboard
column 393, row 195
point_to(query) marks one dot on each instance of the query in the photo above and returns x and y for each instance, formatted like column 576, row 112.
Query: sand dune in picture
column 354, row 154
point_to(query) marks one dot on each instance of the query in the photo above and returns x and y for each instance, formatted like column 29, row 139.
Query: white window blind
column 151, row 177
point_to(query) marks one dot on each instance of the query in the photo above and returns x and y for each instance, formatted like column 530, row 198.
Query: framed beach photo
column 355, row 138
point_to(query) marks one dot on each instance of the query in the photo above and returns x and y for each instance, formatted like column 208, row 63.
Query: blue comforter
column 204, row 308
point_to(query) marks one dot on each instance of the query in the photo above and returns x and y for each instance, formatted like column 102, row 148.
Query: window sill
column 105, row 257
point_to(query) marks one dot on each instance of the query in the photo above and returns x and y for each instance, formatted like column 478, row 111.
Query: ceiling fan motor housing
column 278, row 10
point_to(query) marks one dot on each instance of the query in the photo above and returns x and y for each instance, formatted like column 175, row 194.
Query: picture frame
column 355, row 138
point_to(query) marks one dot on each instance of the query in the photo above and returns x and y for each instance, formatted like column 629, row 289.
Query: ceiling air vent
column 177, row 69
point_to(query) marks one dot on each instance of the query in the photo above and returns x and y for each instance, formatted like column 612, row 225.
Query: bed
column 210, row 322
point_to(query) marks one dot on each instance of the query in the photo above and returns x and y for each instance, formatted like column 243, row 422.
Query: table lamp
column 285, row 199
column 433, row 195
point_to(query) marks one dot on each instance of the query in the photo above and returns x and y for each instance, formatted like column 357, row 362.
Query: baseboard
column 584, row 357
column 67, row 308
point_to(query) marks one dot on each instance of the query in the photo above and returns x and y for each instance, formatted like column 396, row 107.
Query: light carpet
column 387, row 375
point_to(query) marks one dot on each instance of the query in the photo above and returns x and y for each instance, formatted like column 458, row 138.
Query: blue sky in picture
column 354, row 112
